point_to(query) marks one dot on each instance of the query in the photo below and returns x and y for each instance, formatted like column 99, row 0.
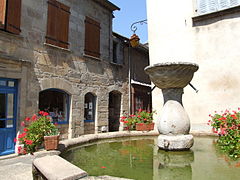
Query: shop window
column 138, row 103
column 89, row 107
column 56, row 103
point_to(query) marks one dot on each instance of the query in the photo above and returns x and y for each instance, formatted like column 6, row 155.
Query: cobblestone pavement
column 17, row 168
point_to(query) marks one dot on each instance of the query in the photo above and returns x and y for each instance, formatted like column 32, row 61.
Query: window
column 89, row 107
column 117, row 57
column 57, row 24
column 208, row 6
column 10, row 15
column 115, row 52
column 92, row 37
column 56, row 103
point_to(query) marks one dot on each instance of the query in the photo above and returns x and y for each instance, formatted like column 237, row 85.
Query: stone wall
column 42, row 66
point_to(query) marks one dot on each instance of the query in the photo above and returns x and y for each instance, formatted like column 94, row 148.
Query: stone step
column 56, row 168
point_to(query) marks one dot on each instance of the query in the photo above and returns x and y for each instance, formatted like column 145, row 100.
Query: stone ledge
column 11, row 35
column 116, row 64
column 57, row 47
column 93, row 137
column 13, row 58
column 104, row 178
column 92, row 57
column 56, row 168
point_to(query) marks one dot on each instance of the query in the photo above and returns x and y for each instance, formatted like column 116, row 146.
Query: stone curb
column 93, row 137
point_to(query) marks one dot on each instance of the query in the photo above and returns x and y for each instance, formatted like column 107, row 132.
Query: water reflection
column 169, row 165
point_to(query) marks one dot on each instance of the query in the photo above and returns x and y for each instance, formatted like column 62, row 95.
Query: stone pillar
column 174, row 124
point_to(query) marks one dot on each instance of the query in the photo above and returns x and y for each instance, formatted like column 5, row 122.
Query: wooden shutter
column 92, row 37
column 63, row 25
column 2, row 13
column 57, row 24
column 13, row 19
column 52, row 20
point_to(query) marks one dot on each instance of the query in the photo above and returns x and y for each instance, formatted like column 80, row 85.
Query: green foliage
column 141, row 116
column 35, row 129
column 227, row 126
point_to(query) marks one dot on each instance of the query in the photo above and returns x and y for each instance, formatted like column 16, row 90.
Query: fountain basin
column 171, row 74
column 139, row 158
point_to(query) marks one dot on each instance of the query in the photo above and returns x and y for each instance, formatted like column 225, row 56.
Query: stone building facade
column 141, row 95
column 205, row 32
column 140, row 86
column 60, row 59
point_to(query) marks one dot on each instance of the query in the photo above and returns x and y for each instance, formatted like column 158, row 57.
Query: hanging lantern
column 134, row 40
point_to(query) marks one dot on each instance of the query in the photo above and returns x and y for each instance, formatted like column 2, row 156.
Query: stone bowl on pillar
column 174, row 123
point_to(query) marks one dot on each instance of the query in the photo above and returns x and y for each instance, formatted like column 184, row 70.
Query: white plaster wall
column 168, row 25
column 213, row 46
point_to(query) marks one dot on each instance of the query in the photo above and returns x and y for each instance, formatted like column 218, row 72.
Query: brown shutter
column 53, row 8
column 57, row 24
column 13, row 20
column 2, row 13
column 63, row 26
column 92, row 37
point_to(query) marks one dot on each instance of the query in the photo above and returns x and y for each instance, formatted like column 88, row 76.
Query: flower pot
column 51, row 142
column 144, row 127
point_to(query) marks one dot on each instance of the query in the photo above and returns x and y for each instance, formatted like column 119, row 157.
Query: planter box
column 51, row 142
column 144, row 127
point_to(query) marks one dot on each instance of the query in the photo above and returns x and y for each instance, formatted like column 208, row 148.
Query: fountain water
column 174, row 123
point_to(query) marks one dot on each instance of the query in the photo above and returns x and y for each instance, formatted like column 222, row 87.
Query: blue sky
column 131, row 11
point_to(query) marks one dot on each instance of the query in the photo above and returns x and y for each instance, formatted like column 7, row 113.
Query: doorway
column 8, row 113
column 89, row 113
column 114, row 109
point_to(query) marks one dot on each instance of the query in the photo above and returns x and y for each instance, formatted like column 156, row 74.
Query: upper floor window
column 117, row 57
column 57, row 24
column 10, row 15
column 92, row 37
column 208, row 6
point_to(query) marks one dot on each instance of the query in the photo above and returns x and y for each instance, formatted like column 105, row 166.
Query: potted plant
column 34, row 130
column 141, row 121
column 51, row 139
column 227, row 125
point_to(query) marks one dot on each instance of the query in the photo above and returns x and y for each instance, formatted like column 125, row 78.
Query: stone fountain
column 174, row 123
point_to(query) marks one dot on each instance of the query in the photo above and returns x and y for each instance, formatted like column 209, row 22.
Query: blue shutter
column 202, row 6
column 223, row 4
column 234, row 2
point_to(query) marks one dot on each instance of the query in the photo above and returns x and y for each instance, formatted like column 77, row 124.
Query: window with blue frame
column 209, row 6
column 56, row 103
column 89, row 107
